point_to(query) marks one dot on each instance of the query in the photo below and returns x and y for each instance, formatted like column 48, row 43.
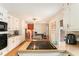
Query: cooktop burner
column 40, row 45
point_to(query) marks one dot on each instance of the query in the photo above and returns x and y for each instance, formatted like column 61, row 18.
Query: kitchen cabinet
column 13, row 23
column 10, row 23
column 13, row 42
column 3, row 18
column 71, row 17
column 3, row 51
column 16, row 24
column 66, row 18
column 3, row 14
column 74, row 17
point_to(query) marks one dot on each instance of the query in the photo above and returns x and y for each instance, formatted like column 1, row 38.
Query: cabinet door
column 17, row 26
column 3, row 14
column 66, row 19
column 74, row 16
column 13, row 42
column 17, row 41
column 10, row 23
column 14, row 23
column 10, row 43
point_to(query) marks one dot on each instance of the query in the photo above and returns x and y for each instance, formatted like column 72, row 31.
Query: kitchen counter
column 53, row 52
column 72, row 49
column 25, row 45
column 24, row 51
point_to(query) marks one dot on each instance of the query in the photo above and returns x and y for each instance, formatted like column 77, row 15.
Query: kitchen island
column 24, row 51
column 69, row 49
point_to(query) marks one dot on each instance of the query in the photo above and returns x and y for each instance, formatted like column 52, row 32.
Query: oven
column 3, row 26
column 3, row 41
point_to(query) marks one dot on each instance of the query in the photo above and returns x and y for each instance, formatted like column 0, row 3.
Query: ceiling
column 28, row 11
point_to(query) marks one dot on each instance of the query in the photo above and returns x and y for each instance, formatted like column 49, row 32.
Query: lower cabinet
column 13, row 42
column 3, row 51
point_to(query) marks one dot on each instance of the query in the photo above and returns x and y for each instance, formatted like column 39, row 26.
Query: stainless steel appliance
column 3, row 41
column 71, row 39
column 3, row 35
column 3, row 26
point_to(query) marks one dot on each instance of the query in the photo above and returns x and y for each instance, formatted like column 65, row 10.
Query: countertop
column 24, row 46
column 72, row 49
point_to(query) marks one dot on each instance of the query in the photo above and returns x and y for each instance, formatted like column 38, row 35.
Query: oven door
column 3, row 41
column 3, row 26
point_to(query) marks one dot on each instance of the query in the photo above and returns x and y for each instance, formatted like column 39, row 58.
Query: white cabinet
column 13, row 42
column 13, row 23
column 71, row 17
column 10, row 23
column 16, row 23
column 74, row 17
column 3, row 51
column 3, row 14
column 66, row 18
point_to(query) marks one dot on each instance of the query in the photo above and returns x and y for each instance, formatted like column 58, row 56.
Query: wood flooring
column 14, row 51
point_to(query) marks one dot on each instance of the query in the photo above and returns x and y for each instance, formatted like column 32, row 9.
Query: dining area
column 36, row 31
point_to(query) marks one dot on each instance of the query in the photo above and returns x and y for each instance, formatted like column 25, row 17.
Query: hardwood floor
column 14, row 51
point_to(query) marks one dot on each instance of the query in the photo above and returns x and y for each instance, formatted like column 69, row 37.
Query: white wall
column 41, row 28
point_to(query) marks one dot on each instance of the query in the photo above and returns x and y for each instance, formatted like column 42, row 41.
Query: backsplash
column 13, row 33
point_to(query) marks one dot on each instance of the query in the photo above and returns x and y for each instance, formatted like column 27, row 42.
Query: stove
column 40, row 45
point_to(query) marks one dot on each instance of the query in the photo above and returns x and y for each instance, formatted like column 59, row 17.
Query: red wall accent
column 30, row 26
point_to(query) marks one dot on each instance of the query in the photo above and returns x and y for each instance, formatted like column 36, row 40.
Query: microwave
column 3, row 26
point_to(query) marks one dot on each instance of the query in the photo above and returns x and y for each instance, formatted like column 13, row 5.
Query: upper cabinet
column 3, row 14
column 74, row 17
column 13, row 23
column 71, row 17
column 66, row 18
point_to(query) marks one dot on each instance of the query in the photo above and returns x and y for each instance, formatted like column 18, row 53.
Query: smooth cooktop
column 40, row 45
